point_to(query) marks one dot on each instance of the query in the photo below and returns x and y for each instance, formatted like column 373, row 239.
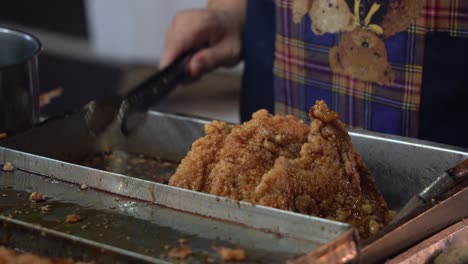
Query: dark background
column 81, row 79
column 68, row 17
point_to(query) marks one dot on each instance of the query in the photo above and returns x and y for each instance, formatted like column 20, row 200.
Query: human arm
column 216, row 29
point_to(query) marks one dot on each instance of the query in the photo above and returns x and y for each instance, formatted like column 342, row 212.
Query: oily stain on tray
column 119, row 230
column 135, row 165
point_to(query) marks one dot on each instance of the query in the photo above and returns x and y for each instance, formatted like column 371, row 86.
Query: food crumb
column 8, row 166
column 72, row 219
column 374, row 226
column 46, row 98
column 46, row 208
column 165, row 164
column 180, row 253
column 182, row 241
column 3, row 135
column 167, row 247
column 36, row 197
column 4, row 195
column 84, row 186
column 229, row 254
column 83, row 227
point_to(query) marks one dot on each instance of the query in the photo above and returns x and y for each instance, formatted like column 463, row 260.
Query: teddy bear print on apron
column 361, row 52
column 363, row 57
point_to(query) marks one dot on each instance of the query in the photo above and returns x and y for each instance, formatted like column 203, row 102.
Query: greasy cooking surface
column 12, row 256
column 281, row 162
column 402, row 167
column 135, row 165
column 129, row 224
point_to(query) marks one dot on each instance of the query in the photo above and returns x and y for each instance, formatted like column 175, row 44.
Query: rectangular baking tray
column 138, row 220
column 402, row 167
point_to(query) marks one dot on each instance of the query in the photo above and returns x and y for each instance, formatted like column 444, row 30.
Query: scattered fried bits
column 210, row 260
column 3, row 135
column 84, row 186
column 36, row 197
column 167, row 247
column 72, row 219
column 229, row 254
column 182, row 241
column 8, row 167
column 46, row 208
column 47, row 97
column 180, row 253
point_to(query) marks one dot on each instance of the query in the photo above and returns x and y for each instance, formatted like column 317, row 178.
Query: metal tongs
column 128, row 111
column 424, row 214
column 439, row 186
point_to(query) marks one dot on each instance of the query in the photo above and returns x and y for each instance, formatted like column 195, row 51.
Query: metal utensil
column 129, row 110
column 442, row 184
column 19, row 85
column 413, row 231
column 425, row 213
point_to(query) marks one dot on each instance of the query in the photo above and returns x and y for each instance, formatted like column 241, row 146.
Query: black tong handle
column 159, row 85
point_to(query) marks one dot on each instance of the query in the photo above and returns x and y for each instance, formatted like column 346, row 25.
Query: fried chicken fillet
column 281, row 162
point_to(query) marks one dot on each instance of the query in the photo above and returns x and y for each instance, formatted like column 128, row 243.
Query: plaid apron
column 302, row 72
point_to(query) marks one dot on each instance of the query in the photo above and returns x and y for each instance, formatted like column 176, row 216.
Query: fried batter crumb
column 167, row 247
column 46, row 208
column 47, row 97
column 8, row 166
column 229, row 254
column 72, row 219
column 36, row 197
column 182, row 241
column 84, row 186
column 180, row 253
column 3, row 135
column 279, row 161
column 210, row 260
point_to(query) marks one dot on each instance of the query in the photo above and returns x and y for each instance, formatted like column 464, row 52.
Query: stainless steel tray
column 139, row 219
column 402, row 167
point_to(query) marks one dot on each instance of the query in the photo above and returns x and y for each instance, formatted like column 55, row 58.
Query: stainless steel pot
column 19, row 86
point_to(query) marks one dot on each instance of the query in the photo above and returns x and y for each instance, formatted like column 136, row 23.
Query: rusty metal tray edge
column 455, row 236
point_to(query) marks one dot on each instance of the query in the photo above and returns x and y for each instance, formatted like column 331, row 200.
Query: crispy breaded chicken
column 281, row 162
column 231, row 160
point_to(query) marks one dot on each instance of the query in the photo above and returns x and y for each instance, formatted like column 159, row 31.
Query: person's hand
column 216, row 32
